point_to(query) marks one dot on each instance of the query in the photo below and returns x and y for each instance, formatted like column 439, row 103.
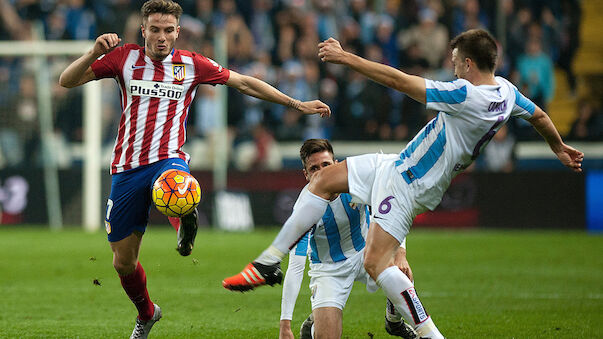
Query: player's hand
column 571, row 157
column 105, row 44
column 401, row 262
column 330, row 51
column 314, row 107
column 285, row 330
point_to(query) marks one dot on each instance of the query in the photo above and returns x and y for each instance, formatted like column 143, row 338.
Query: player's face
column 160, row 32
column 460, row 65
column 316, row 162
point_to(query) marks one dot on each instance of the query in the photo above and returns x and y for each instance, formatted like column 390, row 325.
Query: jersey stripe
column 455, row 96
column 523, row 102
column 354, row 218
column 408, row 151
column 428, row 160
column 302, row 245
column 151, row 118
column 314, row 255
column 333, row 236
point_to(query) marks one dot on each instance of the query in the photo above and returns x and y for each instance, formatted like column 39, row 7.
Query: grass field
column 475, row 284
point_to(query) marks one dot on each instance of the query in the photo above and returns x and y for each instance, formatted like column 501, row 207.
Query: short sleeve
column 208, row 71
column 524, row 107
column 448, row 97
column 108, row 65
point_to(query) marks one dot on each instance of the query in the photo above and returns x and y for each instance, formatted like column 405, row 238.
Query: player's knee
column 371, row 265
column 123, row 267
column 319, row 184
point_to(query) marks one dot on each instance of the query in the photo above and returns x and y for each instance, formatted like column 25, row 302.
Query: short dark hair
column 312, row 146
column 479, row 46
column 160, row 6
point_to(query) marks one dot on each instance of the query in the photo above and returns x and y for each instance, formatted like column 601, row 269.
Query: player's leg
column 327, row 322
column 125, row 222
column 187, row 225
column 311, row 206
column 378, row 262
column 132, row 275
column 395, row 324
column 323, row 186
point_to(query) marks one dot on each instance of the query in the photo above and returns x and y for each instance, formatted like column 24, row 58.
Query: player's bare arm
column 331, row 51
column 262, row 90
column 569, row 156
column 80, row 72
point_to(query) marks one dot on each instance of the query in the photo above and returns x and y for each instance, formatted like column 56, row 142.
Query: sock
column 310, row 208
column 401, row 292
column 135, row 285
column 391, row 313
column 175, row 222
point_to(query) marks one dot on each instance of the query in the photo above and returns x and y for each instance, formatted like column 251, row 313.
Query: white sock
column 310, row 208
column 391, row 313
column 401, row 292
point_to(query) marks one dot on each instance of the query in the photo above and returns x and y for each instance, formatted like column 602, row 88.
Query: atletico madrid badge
column 179, row 72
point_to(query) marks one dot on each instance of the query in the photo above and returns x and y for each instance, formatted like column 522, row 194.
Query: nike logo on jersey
column 177, row 164
column 138, row 67
column 378, row 217
column 183, row 189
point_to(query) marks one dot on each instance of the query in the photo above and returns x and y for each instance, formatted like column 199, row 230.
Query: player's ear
column 142, row 31
column 306, row 174
column 177, row 31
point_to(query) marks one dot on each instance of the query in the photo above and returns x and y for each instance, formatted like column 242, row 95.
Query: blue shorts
column 129, row 202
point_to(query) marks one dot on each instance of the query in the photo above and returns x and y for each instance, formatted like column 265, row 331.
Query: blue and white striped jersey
column 340, row 233
column 468, row 118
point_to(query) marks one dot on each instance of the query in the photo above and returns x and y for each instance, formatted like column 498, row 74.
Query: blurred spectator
column 536, row 79
column 467, row 16
column 386, row 40
column 499, row 156
column 570, row 38
column 589, row 124
column 12, row 27
column 80, row 20
column 429, row 36
column 19, row 129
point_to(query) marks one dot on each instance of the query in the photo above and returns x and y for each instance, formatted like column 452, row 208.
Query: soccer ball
column 176, row 193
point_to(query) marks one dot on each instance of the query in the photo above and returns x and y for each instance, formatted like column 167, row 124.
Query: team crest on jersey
column 179, row 71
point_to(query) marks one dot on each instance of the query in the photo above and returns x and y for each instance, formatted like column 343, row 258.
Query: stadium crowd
column 276, row 41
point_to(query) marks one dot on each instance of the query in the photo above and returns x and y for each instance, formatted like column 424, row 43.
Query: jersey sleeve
column 108, row 65
column 449, row 97
column 524, row 107
column 208, row 71
column 292, row 284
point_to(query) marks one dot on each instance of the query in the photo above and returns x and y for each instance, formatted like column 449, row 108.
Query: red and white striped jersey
column 155, row 99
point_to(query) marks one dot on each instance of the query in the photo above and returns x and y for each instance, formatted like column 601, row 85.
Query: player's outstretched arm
column 80, row 72
column 569, row 156
column 261, row 90
column 330, row 51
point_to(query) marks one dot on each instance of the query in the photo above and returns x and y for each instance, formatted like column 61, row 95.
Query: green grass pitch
column 475, row 284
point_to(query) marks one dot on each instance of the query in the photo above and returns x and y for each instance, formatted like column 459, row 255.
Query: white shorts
column 332, row 283
column 374, row 180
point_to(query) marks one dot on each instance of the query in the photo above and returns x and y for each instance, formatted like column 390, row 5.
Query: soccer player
column 337, row 246
column 400, row 186
column 157, row 84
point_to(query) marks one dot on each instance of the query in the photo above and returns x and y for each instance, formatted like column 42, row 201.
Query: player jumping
column 400, row 186
column 157, row 84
